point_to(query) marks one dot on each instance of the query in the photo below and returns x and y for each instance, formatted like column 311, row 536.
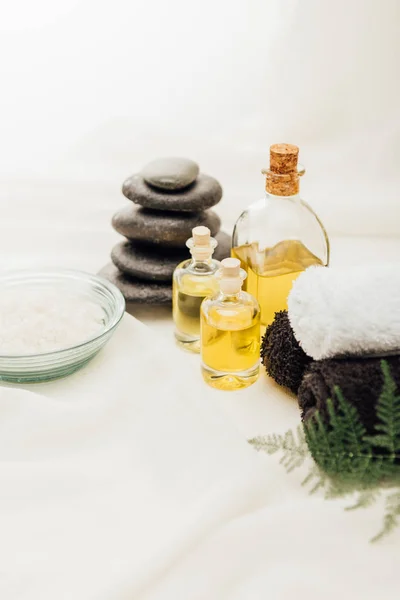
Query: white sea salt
column 34, row 321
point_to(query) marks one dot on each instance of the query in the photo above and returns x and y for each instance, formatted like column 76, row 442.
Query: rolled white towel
column 347, row 311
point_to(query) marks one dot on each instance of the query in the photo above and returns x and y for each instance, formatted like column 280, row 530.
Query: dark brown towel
column 360, row 380
column 281, row 354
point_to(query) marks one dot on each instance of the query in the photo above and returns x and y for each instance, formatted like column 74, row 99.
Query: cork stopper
column 231, row 276
column 201, row 244
column 201, row 236
column 283, row 158
column 283, row 173
column 230, row 267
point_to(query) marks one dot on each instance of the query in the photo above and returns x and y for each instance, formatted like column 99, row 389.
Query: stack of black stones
column 169, row 197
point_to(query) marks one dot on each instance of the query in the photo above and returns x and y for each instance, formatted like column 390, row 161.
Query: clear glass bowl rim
column 30, row 275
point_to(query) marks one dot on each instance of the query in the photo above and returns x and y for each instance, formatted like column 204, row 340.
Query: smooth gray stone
column 135, row 290
column 223, row 250
column 161, row 227
column 204, row 193
column 170, row 173
column 152, row 263
column 148, row 262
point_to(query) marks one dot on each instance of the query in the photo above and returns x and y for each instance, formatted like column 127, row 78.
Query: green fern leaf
column 293, row 445
column 338, row 447
column 349, row 426
column 319, row 443
column 388, row 413
column 391, row 518
column 346, row 458
column 365, row 499
column 267, row 443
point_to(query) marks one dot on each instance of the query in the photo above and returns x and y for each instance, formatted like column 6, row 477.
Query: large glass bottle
column 230, row 332
column 193, row 280
column 279, row 236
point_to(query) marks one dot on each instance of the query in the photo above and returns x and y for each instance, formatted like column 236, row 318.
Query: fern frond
column 388, row 414
column 293, row 445
column 319, row 443
column 320, row 484
column 351, row 428
column 365, row 499
column 391, row 518
column 313, row 473
column 346, row 459
column 267, row 443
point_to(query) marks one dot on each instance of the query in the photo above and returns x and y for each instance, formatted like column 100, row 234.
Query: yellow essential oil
column 230, row 334
column 187, row 298
column 279, row 236
column 271, row 272
column 193, row 280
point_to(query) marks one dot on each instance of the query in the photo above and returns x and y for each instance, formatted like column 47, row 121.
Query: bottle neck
column 279, row 197
column 286, row 184
column 282, row 185
column 224, row 297
column 202, row 264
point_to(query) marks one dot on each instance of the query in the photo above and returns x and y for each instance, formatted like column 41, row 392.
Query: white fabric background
column 128, row 482
column 92, row 90
column 121, row 482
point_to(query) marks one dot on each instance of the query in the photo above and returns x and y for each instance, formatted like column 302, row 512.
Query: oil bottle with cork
column 193, row 280
column 279, row 236
column 230, row 332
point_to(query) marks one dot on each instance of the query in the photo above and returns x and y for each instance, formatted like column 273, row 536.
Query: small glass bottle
column 278, row 237
column 193, row 280
column 230, row 332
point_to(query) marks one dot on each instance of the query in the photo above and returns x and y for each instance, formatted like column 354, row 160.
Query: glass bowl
column 31, row 368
